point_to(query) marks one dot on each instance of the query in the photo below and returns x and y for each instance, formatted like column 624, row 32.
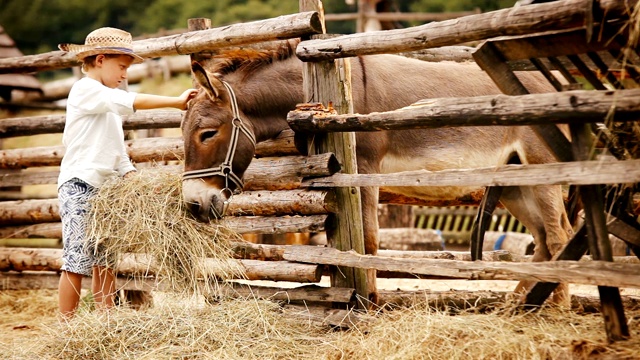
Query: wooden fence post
column 324, row 82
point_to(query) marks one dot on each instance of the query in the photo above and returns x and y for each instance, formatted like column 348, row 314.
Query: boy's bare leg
column 103, row 287
column 69, row 293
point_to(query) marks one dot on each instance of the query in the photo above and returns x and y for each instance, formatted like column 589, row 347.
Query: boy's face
column 112, row 70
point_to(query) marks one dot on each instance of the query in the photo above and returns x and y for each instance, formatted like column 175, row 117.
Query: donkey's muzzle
column 204, row 202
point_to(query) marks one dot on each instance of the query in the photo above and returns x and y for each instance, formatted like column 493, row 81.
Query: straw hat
column 105, row 40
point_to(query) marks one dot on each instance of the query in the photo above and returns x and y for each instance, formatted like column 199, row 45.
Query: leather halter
column 225, row 168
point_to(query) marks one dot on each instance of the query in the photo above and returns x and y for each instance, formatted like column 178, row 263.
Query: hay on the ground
column 144, row 214
column 188, row 328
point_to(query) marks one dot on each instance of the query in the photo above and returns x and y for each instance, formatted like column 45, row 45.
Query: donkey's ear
column 210, row 83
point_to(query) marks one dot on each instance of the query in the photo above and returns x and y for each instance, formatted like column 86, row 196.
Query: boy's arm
column 147, row 101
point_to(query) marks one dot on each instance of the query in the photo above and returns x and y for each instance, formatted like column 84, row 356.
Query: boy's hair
column 90, row 61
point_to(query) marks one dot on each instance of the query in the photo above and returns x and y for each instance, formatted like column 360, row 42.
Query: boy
column 95, row 150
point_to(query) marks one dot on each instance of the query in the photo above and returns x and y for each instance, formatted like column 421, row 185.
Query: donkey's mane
column 247, row 59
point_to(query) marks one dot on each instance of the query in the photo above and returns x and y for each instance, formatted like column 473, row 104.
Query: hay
column 188, row 328
column 424, row 333
column 144, row 214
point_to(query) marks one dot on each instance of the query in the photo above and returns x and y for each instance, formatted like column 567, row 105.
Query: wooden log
column 164, row 67
column 581, row 106
column 140, row 150
column 445, row 53
column 25, row 259
column 410, row 239
column 50, row 230
column 31, row 242
column 576, row 173
column 241, row 225
column 306, row 293
column 589, row 273
column 265, row 252
column 47, row 124
column 281, row 27
column 402, row 16
column 323, row 316
column 29, row 211
column 283, row 144
column 283, row 202
column 324, row 83
column 511, row 21
column 262, row 174
column 400, row 239
column 255, row 203
column 32, row 280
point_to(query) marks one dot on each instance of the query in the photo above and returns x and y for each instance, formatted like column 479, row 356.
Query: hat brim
column 83, row 51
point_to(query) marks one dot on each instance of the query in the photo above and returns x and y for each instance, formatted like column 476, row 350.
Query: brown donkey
column 245, row 97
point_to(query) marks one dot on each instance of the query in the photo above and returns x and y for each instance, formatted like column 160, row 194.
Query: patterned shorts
column 79, row 256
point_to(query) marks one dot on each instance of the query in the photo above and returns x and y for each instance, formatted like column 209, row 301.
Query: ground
column 551, row 333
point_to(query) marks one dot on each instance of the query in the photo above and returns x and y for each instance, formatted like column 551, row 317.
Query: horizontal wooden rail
column 511, row 21
column 248, row 203
column 282, row 27
column 588, row 273
column 165, row 67
column 239, row 224
column 155, row 149
column 24, row 259
column 579, row 106
column 400, row 16
column 571, row 173
column 51, row 124
column 272, row 173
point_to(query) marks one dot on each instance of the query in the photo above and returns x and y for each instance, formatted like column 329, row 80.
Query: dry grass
column 187, row 328
column 144, row 214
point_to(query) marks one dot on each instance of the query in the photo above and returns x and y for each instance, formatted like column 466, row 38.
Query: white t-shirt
column 93, row 135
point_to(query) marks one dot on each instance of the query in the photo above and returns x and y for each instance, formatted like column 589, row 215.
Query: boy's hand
column 186, row 96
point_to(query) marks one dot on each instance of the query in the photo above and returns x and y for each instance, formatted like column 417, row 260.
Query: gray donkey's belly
column 447, row 149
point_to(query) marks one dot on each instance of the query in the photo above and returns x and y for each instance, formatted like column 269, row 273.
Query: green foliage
column 458, row 5
column 38, row 26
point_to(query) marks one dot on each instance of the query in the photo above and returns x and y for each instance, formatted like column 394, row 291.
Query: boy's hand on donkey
column 186, row 96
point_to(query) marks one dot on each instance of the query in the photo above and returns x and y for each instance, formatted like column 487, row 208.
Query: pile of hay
column 187, row 328
column 144, row 215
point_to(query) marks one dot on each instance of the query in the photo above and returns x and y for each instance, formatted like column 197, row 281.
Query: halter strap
column 225, row 168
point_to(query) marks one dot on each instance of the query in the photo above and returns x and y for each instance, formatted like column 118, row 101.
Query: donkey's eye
column 206, row 135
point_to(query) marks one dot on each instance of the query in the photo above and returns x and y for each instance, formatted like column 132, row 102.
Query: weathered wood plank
column 578, row 173
column 281, row 27
column 588, row 273
column 324, row 316
column 581, row 106
column 301, row 293
column 326, row 82
column 241, row 225
column 50, row 280
column 270, row 173
column 252, row 203
column 511, row 21
column 49, row 124
column 25, row 259
column 165, row 67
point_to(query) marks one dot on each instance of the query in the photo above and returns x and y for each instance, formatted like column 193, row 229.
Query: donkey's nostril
column 194, row 207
